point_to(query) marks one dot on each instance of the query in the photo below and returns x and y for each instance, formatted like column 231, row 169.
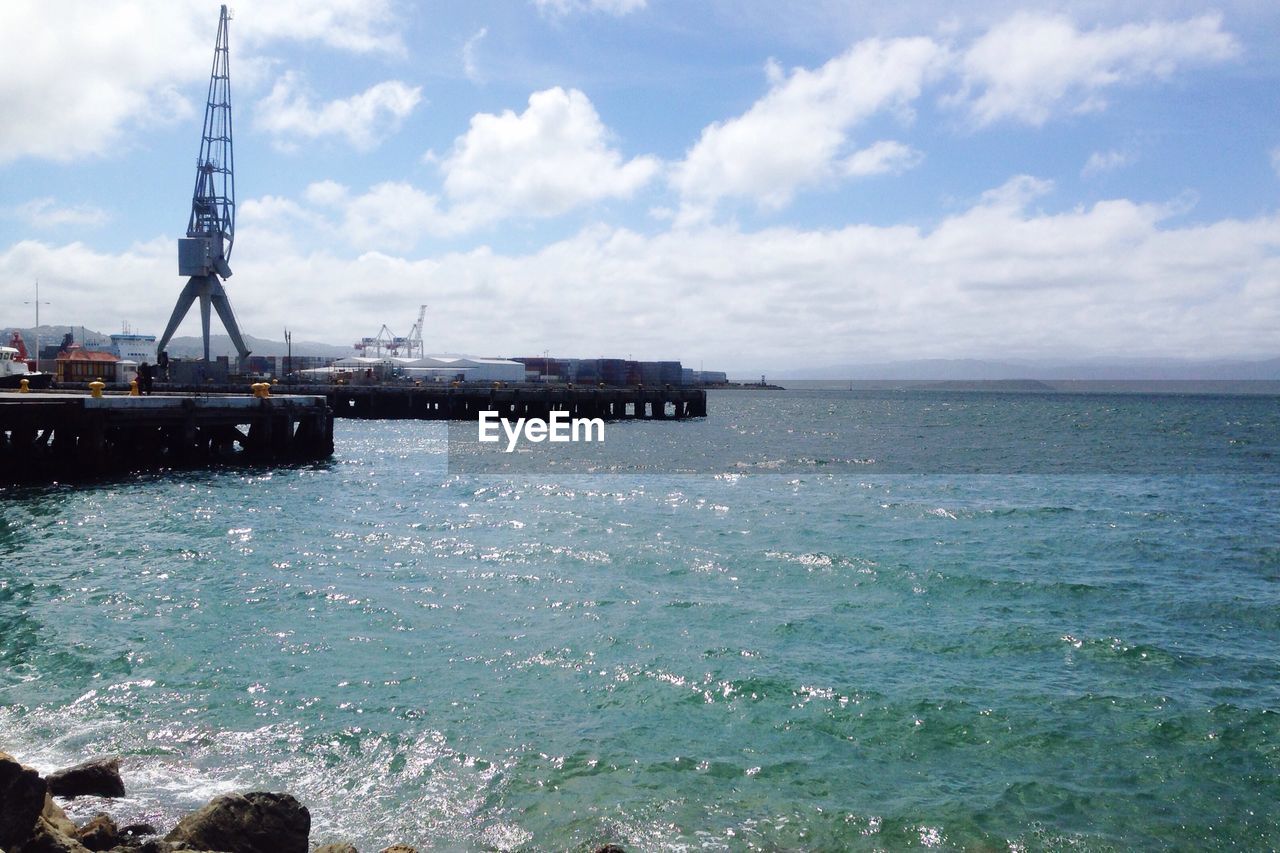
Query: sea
column 818, row 619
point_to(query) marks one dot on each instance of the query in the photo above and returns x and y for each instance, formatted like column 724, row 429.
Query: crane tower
column 204, row 252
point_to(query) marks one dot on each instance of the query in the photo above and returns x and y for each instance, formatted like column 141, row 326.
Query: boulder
column 47, row 838
column 336, row 848
column 98, row 777
column 155, row 845
column 22, row 796
column 53, row 813
column 257, row 822
column 100, row 833
column 400, row 848
column 137, row 830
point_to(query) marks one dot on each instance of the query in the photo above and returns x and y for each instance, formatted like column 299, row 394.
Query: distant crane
column 204, row 252
column 384, row 340
column 393, row 343
column 415, row 334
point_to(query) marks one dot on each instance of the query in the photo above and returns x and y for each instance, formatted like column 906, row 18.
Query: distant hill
column 193, row 347
column 1093, row 369
column 182, row 347
column 54, row 335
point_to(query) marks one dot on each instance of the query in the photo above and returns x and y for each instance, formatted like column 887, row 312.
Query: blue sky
column 746, row 185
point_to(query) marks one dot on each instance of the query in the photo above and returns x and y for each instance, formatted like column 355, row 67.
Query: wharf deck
column 465, row 402
column 65, row 436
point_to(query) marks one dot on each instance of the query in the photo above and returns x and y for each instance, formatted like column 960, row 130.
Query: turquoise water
column 815, row 620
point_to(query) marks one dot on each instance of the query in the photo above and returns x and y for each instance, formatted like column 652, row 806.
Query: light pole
column 37, row 304
column 288, row 358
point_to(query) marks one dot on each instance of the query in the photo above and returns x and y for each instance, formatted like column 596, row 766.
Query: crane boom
column 213, row 203
column 415, row 334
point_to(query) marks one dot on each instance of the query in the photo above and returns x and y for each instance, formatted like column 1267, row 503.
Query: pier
column 65, row 436
column 464, row 402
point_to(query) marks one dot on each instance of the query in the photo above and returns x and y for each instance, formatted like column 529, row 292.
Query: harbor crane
column 415, row 334
column 204, row 252
column 393, row 343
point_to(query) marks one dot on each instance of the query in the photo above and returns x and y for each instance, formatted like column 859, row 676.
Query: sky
column 748, row 186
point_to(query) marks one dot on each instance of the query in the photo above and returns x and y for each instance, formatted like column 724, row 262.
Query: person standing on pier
column 145, row 375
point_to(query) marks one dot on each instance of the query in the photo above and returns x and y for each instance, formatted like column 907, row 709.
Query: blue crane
column 204, row 252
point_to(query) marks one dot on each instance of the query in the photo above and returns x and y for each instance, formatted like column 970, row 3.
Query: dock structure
column 47, row 437
column 466, row 403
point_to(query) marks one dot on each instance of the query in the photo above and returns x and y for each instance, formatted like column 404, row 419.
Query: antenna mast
column 204, row 252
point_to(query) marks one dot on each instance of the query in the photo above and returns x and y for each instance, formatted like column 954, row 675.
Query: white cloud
column 1033, row 66
column 356, row 26
column 1106, row 161
column 551, row 158
column 394, row 215
column 326, row 193
column 469, row 66
column 884, row 157
column 391, row 216
column 45, row 212
column 997, row 278
column 364, row 119
column 81, row 74
column 794, row 135
column 611, row 7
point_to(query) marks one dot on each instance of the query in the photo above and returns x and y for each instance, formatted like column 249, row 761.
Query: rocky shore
column 32, row 821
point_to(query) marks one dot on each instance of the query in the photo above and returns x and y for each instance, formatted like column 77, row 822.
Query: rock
column 57, row 817
column 47, row 838
column 137, row 830
column 22, row 796
column 610, row 848
column 335, row 848
column 98, row 777
column 155, row 845
column 250, row 823
column 400, row 848
column 100, row 833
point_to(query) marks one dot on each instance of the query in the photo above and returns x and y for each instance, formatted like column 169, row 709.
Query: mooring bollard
column 260, row 389
column 133, row 388
column 95, row 387
column 24, row 386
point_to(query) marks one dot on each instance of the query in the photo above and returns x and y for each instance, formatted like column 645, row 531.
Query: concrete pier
column 466, row 403
column 437, row 402
column 46, row 437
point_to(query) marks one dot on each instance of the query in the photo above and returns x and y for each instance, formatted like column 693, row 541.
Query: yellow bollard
column 24, row 386
column 95, row 387
column 133, row 388
column 260, row 389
